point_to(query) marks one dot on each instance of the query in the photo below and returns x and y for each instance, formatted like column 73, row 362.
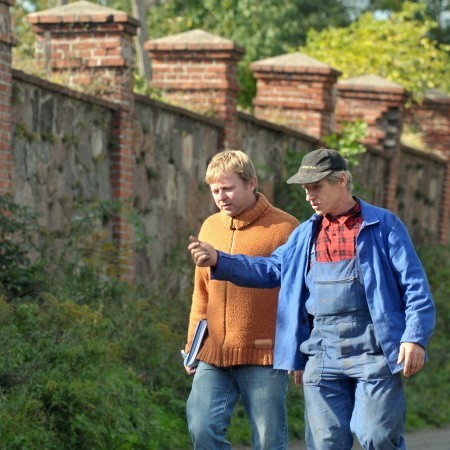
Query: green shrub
column 19, row 276
column 428, row 391
column 88, row 362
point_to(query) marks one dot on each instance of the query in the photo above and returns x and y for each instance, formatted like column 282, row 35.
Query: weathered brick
column 191, row 65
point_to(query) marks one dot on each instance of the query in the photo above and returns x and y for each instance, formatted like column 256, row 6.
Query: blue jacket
column 397, row 290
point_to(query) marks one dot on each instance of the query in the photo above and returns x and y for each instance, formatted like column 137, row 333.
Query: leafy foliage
column 19, row 276
column 88, row 361
column 434, row 9
column 429, row 390
column 348, row 141
column 397, row 48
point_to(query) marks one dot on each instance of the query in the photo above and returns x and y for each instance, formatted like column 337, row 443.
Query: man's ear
column 253, row 183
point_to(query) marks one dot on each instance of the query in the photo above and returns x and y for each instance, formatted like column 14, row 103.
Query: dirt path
column 428, row 439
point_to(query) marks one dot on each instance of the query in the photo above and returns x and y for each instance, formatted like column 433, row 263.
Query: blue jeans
column 215, row 392
column 372, row 409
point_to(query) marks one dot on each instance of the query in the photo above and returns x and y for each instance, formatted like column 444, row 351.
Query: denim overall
column 348, row 385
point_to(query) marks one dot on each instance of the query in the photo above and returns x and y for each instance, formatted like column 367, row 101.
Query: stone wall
column 61, row 145
column 173, row 147
column 60, row 148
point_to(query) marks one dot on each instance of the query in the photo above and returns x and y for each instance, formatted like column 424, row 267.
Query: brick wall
column 197, row 70
column 296, row 91
column 6, row 42
column 432, row 119
column 380, row 104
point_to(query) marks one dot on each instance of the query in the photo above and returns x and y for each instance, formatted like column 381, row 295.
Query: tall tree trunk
column 143, row 61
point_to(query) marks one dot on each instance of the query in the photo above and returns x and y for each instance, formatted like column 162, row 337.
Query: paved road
column 429, row 439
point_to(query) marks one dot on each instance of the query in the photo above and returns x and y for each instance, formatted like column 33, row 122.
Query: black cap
column 317, row 165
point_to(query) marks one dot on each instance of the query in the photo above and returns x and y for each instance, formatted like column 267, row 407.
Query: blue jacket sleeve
column 413, row 286
column 247, row 271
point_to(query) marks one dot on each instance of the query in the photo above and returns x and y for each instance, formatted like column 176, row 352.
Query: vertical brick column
column 432, row 119
column 6, row 43
column 377, row 101
column 92, row 46
column 444, row 210
column 296, row 91
column 197, row 70
column 380, row 103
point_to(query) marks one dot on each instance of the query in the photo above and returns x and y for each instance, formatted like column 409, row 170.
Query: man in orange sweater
column 236, row 357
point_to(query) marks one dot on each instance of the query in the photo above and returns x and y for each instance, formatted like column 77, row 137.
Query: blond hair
column 230, row 160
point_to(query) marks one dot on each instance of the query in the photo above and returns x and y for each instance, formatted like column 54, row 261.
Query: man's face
column 232, row 195
column 326, row 198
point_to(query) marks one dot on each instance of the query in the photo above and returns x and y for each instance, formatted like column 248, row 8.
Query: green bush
column 88, row 362
column 19, row 276
column 428, row 391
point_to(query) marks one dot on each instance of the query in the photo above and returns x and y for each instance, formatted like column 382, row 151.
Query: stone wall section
column 419, row 194
column 61, row 147
column 267, row 145
column 172, row 147
column 92, row 46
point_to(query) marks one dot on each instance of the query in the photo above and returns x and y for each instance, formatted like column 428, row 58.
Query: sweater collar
column 246, row 218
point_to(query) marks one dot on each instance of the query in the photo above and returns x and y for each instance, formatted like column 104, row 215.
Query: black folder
column 200, row 332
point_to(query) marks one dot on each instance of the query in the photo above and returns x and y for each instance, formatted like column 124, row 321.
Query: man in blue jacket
column 355, row 309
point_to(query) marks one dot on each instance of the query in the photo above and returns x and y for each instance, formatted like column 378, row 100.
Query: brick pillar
column 197, row 70
column 380, row 103
column 296, row 91
column 444, row 210
column 432, row 119
column 6, row 44
column 377, row 101
column 92, row 46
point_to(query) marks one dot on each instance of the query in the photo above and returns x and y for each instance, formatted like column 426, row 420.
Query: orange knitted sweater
column 241, row 321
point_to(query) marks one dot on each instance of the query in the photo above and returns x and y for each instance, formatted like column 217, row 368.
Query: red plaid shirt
column 336, row 238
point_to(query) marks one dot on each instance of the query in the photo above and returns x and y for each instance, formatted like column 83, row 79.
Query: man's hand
column 413, row 357
column 190, row 370
column 203, row 254
column 298, row 377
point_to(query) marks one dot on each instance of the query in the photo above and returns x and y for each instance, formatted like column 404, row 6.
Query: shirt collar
column 342, row 218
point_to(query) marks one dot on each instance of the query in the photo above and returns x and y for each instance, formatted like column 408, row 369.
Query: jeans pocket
column 376, row 367
column 313, row 369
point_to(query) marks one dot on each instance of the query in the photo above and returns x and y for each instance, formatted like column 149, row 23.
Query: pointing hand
column 203, row 254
